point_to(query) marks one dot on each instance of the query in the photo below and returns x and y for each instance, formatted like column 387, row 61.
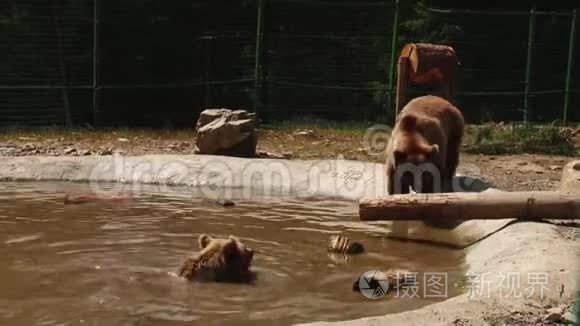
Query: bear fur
column 427, row 136
column 220, row 260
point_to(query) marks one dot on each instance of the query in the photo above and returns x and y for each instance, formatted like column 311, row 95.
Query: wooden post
column 533, row 205
column 402, row 82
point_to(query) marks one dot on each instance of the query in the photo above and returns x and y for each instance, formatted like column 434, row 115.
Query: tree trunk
column 470, row 206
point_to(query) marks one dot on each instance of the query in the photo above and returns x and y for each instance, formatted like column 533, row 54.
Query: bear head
column 222, row 260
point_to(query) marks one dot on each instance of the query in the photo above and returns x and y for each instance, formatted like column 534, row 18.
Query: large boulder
column 227, row 132
column 570, row 182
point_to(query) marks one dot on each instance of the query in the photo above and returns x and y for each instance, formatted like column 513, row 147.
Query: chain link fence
column 157, row 63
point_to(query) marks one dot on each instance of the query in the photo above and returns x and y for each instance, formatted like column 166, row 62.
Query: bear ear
column 408, row 122
column 203, row 240
column 231, row 247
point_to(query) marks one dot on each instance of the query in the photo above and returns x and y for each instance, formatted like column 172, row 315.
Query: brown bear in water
column 344, row 245
column 220, row 260
column 423, row 150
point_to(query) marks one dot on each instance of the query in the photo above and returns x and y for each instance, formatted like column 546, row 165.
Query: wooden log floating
column 532, row 205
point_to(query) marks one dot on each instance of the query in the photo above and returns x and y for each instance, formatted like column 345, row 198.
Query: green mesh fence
column 159, row 63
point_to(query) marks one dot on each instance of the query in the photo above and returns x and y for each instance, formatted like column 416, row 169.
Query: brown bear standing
column 220, row 260
column 426, row 138
column 423, row 150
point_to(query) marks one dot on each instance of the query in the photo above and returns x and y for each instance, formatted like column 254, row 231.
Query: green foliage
column 424, row 26
column 502, row 138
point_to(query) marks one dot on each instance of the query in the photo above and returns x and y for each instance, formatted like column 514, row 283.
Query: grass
column 322, row 126
column 493, row 139
column 106, row 134
column 349, row 139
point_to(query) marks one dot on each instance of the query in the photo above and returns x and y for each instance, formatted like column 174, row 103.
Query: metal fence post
column 569, row 67
column 96, row 59
column 393, row 55
column 258, row 73
column 62, row 66
column 531, row 28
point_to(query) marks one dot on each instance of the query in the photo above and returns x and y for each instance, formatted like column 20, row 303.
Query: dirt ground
column 506, row 172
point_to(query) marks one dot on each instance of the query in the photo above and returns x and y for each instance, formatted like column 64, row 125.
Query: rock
column 555, row 314
column 570, row 182
column 553, row 317
column 226, row 132
column 555, row 168
column 225, row 202
column 69, row 150
column 569, row 318
column 265, row 154
column 210, row 115
column 123, row 140
column 522, row 163
column 178, row 146
column 107, row 151
column 28, row 147
column 307, row 134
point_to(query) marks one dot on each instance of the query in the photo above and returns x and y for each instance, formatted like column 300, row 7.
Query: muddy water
column 111, row 264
